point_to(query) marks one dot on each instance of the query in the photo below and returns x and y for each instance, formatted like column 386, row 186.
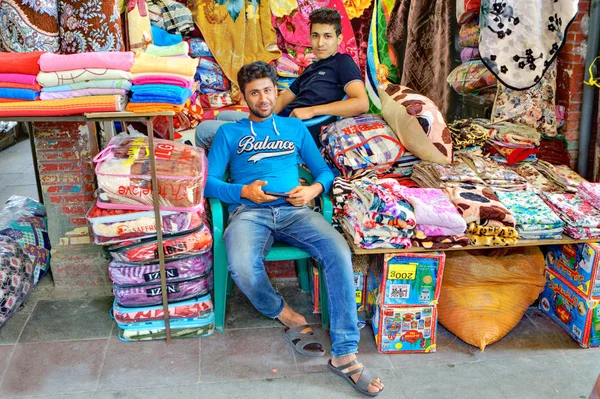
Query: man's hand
column 303, row 113
column 254, row 193
column 302, row 195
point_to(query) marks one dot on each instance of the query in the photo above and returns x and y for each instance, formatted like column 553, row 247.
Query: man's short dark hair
column 253, row 71
column 327, row 16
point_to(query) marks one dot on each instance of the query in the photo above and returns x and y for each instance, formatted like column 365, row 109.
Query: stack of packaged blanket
column 535, row 220
column 161, row 83
column 439, row 225
column 582, row 219
column 123, row 216
column 489, row 223
column 378, row 216
column 17, row 77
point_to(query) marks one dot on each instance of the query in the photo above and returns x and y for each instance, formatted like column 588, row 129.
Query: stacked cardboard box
column 572, row 294
column 402, row 294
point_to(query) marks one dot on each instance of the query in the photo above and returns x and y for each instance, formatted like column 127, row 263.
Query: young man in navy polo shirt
column 319, row 90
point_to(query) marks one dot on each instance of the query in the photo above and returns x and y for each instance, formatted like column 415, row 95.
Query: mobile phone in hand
column 276, row 194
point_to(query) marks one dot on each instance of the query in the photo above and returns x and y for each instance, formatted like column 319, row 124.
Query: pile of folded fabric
column 468, row 133
column 433, row 175
column 18, row 73
column 378, row 216
column 494, row 174
column 403, row 167
column 537, row 181
column 582, row 219
column 439, row 225
column 560, row 175
column 85, row 75
column 489, row 223
column 161, row 83
column 287, row 72
column 535, row 220
column 512, row 143
column 590, row 192
column 342, row 190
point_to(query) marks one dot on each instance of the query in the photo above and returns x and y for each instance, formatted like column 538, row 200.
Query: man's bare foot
column 291, row 319
column 374, row 387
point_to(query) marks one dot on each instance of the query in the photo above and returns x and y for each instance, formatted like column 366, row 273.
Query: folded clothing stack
column 535, row 220
column 85, row 75
column 493, row 174
column 582, row 220
column 537, row 181
column 439, row 224
column 378, row 216
column 433, row 175
column 18, row 73
column 161, row 83
column 560, row 175
column 511, row 143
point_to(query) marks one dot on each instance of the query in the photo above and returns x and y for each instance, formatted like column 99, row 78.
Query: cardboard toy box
column 578, row 264
column 578, row 316
column 405, row 329
column 359, row 284
column 405, row 279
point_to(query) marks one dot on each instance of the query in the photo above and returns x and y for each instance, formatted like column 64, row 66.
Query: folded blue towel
column 160, row 94
column 161, row 37
column 19, row 94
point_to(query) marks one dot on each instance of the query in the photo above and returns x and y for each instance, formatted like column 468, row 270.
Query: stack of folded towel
column 17, row 77
column 582, row 219
column 161, row 83
column 85, row 74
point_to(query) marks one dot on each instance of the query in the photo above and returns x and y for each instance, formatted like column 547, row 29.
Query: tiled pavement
column 63, row 345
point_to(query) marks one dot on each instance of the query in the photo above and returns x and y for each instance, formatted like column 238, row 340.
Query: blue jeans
column 206, row 131
column 248, row 238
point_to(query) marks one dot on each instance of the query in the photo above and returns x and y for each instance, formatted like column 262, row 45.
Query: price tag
column 359, row 296
column 402, row 272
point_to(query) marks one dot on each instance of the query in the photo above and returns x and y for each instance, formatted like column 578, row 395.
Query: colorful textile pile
column 561, row 175
column 439, row 224
column 433, row 175
column 590, row 192
column 489, row 223
column 493, row 174
column 84, row 75
column 161, row 83
column 535, row 220
column 16, row 277
column 468, row 133
column 582, row 219
column 342, row 190
column 29, row 26
column 537, row 181
column 554, row 150
column 17, row 77
column 63, row 107
column 378, row 216
column 214, row 87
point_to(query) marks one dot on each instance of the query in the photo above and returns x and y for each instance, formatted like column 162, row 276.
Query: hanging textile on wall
column 519, row 39
column 29, row 25
column 90, row 25
column 237, row 32
column 420, row 32
column 381, row 60
column 361, row 26
column 294, row 31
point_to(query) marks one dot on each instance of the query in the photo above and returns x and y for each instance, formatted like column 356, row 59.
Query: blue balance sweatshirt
column 266, row 151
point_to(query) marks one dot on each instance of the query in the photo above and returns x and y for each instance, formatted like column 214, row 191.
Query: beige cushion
column 417, row 123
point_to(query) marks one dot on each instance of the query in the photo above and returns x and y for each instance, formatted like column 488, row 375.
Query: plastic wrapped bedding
column 193, row 308
column 180, row 328
column 16, row 277
column 124, row 181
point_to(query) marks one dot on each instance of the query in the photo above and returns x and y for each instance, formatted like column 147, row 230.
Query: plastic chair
column 279, row 251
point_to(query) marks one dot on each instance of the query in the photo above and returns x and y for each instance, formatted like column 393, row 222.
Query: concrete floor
column 63, row 344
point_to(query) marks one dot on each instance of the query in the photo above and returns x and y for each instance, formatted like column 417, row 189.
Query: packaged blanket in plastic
column 111, row 226
column 193, row 308
column 16, row 277
column 123, row 273
column 196, row 242
column 151, row 293
column 124, row 181
column 180, row 328
column 24, row 220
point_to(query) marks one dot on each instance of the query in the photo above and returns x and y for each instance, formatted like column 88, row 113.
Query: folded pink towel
column 123, row 60
column 18, row 78
column 161, row 79
column 57, row 95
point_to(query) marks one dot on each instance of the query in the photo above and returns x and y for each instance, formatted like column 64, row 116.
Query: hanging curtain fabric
column 520, row 39
column 361, row 26
column 420, row 31
column 237, row 32
column 29, row 25
column 90, row 25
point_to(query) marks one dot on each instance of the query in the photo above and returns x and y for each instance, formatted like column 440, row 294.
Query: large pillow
column 417, row 122
column 532, row 107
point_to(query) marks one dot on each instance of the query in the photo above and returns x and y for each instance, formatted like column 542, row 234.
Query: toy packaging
column 360, row 286
column 314, row 286
column 578, row 265
column 405, row 329
column 578, row 316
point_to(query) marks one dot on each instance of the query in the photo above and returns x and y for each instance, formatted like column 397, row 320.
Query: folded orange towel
column 63, row 107
column 143, row 108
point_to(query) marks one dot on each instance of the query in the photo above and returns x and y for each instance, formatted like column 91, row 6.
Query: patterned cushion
column 417, row 122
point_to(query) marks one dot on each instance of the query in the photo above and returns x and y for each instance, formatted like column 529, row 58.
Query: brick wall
column 68, row 183
column 571, row 69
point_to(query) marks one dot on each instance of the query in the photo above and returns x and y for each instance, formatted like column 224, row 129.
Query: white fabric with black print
column 519, row 39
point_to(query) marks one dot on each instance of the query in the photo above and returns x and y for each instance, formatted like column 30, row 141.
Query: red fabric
column 513, row 155
column 24, row 63
column 10, row 85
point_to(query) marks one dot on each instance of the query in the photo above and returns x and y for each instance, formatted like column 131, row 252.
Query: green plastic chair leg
column 229, row 283
column 323, row 301
column 302, row 269
column 220, row 296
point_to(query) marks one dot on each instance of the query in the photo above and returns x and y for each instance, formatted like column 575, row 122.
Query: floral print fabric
column 16, row 277
column 574, row 211
column 436, row 215
column 536, row 180
column 29, row 25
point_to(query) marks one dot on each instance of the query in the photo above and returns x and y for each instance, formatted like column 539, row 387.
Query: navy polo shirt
column 323, row 82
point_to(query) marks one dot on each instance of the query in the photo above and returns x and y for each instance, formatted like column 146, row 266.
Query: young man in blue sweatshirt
column 261, row 154
column 319, row 90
